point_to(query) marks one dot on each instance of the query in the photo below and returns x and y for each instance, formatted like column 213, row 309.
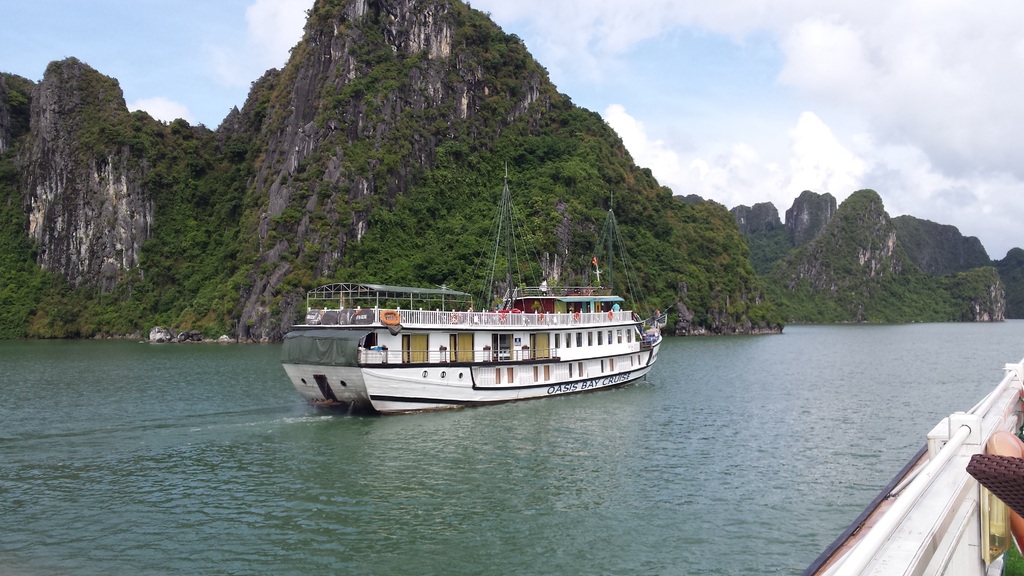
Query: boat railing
column 508, row 318
column 442, row 356
column 967, row 434
column 469, row 319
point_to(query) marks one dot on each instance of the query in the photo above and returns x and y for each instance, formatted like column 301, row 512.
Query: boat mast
column 609, row 230
column 506, row 205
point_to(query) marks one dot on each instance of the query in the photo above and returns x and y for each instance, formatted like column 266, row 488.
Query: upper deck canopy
column 353, row 294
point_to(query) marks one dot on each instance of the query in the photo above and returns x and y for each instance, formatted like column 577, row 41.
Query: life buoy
column 610, row 315
column 576, row 315
column 390, row 317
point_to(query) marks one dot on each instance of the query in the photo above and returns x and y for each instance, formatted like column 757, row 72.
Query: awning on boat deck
column 590, row 298
column 330, row 347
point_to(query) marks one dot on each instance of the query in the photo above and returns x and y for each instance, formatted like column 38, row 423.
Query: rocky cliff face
column 938, row 248
column 862, row 238
column 857, row 270
column 86, row 209
column 5, row 117
column 338, row 110
column 809, row 216
column 990, row 306
column 1011, row 271
column 761, row 218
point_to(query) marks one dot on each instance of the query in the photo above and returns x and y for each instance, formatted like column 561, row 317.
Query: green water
column 739, row 455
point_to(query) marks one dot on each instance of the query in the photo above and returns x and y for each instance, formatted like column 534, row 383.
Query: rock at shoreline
column 161, row 334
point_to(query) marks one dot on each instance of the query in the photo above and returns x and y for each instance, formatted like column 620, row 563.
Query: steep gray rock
column 325, row 114
column 809, row 216
column 864, row 239
column 160, row 334
column 87, row 211
column 939, row 248
column 760, row 218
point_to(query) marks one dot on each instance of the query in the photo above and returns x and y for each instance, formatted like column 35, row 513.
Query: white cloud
column 273, row 27
column 163, row 109
column 820, row 162
column 656, row 154
column 936, row 76
column 825, row 56
column 727, row 173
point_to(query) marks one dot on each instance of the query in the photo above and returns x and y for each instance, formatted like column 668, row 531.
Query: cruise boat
column 390, row 349
column 393, row 349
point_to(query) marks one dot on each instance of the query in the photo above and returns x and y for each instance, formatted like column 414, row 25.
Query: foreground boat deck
column 934, row 518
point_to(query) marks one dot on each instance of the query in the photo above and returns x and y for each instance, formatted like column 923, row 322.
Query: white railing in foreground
column 968, row 430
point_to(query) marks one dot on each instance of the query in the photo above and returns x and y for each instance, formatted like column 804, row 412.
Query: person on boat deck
column 544, row 286
column 615, row 307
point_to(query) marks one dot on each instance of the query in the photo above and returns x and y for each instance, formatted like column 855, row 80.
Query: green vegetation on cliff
column 197, row 185
column 1011, row 270
column 857, row 271
column 370, row 160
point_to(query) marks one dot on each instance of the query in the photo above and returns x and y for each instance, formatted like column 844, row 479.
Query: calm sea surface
column 741, row 455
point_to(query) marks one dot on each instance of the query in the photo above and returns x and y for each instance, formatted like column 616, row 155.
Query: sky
column 737, row 101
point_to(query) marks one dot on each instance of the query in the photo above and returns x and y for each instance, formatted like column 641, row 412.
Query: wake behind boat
column 395, row 349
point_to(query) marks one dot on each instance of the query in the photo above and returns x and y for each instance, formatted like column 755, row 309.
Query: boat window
column 570, row 369
column 536, row 373
column 579, row 339
column 502, row 344
column 609, row 337
column 600, row 339
column 611, row 364
column 590, row 338
column 547, row 372
column 558, row 340
column 618, row 335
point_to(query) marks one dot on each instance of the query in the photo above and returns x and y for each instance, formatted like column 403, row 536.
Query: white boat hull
column 417, row 388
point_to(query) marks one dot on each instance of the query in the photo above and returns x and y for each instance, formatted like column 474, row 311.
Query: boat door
column 414, row 348
column 461, row 345
column 540, row 345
